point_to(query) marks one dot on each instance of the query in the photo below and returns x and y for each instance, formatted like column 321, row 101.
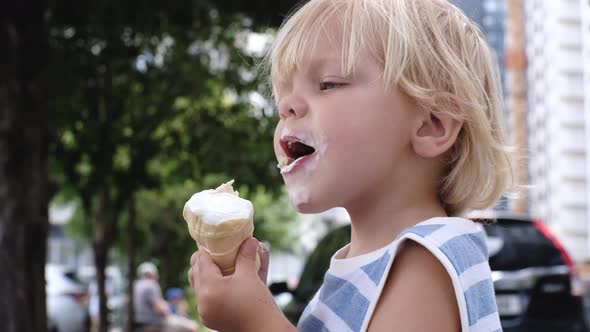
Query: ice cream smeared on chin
column 300, row 158
column 298, row 194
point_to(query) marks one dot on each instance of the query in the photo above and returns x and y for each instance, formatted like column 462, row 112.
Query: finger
column 190, row 276
column 246, row 260
column 194, row 279
column 194, row 276
column 264, row 262
column 194, row 257
column 191, row 271
column 207, row 268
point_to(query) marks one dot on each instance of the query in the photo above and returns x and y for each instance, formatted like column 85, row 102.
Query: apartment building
column 558, row 118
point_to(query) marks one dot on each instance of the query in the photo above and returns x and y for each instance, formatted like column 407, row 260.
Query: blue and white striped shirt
column 352, row 286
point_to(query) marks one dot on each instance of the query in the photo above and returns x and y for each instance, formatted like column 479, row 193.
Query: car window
column 522, row 246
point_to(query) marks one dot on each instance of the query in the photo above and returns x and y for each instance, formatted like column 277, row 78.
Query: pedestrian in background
column 177, row 304
column 150, row 307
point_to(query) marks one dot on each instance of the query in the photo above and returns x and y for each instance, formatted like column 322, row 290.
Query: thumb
column 246, row 261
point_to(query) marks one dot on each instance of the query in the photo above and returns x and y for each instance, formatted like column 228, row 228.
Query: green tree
column 164, row 233
column 143, row 96
column 116, row 71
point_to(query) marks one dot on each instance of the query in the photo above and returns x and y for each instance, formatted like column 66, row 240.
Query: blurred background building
column 490, row 16
column 557, row 125
column 558, row 79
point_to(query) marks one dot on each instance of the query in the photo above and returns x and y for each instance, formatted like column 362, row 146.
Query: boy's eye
column 330, row 85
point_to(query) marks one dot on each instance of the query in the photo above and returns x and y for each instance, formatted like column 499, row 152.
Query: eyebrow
column 322, row 61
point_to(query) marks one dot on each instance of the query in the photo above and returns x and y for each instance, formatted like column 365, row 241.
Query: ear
column 435, row 134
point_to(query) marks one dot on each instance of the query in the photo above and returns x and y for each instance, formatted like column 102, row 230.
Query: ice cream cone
column 219, row 221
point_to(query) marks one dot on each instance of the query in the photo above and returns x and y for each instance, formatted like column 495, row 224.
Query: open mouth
column 294, row 150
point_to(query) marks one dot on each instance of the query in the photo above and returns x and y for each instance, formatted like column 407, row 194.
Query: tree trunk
column 100, row 262
column 131, row 262
column 104, row 233
column 24, row 193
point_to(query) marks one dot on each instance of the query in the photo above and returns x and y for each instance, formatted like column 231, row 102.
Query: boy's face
column 356, row 133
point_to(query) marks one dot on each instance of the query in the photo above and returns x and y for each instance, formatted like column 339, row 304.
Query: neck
column 379, row 218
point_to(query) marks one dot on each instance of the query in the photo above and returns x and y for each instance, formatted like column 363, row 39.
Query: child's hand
column 238, row 302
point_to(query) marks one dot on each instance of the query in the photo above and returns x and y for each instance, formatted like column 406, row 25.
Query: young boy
column 391, row 109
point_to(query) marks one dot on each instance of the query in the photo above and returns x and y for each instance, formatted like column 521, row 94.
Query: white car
column 67, row 300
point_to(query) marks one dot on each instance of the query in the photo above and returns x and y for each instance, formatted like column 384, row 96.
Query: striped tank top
column 352, row 286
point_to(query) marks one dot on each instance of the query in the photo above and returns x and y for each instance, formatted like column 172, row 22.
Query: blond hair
column 432, row 52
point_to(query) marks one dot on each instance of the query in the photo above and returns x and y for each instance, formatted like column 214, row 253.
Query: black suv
column 537, row 287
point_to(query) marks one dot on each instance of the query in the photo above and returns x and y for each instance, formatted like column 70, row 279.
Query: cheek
column 369, row 134
column 355, row 133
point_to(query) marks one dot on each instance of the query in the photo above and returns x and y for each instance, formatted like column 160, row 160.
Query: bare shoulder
column 418, row 294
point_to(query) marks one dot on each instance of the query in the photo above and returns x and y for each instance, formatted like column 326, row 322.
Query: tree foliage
column 166, row 241
column 147, row 96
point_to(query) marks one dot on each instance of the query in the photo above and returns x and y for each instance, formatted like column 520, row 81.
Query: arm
column 154, row 297
column 418, row 295
column 238, row 302
column 160, row 306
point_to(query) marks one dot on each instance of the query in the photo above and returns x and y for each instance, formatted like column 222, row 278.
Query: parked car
column 67, row 300
column 536, row 283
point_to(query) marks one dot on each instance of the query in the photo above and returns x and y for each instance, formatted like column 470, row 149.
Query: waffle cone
column 221, row 241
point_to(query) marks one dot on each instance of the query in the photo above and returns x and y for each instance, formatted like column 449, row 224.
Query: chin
column 308, row 200
column 306, row 208
column 312, row 207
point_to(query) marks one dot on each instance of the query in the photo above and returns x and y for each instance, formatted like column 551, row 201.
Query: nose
column 293, row 106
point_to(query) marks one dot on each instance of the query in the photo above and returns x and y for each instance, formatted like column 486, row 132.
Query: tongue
column 299, row 149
